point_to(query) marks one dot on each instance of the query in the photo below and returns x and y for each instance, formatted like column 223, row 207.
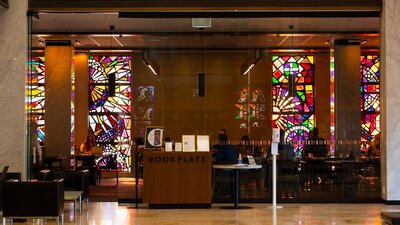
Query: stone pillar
column 13, row 54
column 390, row 100
column 347, row 96
column 81, row 98
column 58, row 67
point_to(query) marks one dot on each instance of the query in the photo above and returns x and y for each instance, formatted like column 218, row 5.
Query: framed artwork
column 154, row 137
column 203, row 143
column 189, row 143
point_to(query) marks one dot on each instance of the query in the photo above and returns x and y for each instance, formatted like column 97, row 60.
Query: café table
column 236, row 168
column 48, row 162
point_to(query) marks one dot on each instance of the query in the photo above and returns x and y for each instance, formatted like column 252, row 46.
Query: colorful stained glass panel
column 293, row 96
column 109, row 116
column 35, row 93
column 370, row 96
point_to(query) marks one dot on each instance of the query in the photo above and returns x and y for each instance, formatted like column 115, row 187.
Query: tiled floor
column 109, row 213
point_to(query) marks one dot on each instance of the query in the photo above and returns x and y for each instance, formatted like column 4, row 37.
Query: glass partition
column 243, row 75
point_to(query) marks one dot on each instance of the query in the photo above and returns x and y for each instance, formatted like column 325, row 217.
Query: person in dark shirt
column 315, row 146
column 244, row 147
column 225, row 153
column 314, row 150
column 375, row 146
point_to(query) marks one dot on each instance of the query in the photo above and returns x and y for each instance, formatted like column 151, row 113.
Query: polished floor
column 110, row 213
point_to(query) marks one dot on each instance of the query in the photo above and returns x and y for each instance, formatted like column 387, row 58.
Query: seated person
column 225, row 153
column 315, row 146
column 285, row 150
column 86, row 147
column 374, row 147
column 244, row 147
column 88, row 160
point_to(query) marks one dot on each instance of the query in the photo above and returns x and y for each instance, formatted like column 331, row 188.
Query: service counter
column 177, row 179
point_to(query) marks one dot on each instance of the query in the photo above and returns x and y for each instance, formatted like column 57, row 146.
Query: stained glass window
column 109, row 116
column 143, row 108
column 293, row 97
column 36, row 94
column 332, row 99
column 370, row 97
column 250, row 110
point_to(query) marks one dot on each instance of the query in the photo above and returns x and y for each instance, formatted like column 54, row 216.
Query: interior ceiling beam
column 203, row 5
column 208, row 33
column 246, row 14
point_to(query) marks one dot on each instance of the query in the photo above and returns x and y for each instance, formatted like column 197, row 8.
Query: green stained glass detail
column 302, row 95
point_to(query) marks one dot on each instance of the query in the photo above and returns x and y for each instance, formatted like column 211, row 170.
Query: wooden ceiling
column 92, row 31
column 265, row 24
column 172, row 5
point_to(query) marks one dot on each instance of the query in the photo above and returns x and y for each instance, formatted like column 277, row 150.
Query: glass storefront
column 196, row 76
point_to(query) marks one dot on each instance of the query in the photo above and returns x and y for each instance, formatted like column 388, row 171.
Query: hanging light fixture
column 150, row 63
column 250, row 62
column 201, row 76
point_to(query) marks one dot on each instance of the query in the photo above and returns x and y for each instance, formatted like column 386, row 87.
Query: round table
column 236, row 168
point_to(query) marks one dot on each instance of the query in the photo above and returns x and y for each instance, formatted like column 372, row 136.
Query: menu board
column 178, row 146
column 203, row 143
column 189, row 143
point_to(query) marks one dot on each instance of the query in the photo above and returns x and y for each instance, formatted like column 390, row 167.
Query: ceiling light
column 250, row 62
column 77, row 42
column 120, row 44
column 201, row 22
column 97, row 43
column 150, row 63
column 152, row 69
column 363, row 42
column 248, row 69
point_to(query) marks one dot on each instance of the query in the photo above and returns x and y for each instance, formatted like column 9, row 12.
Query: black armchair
column 74, row 180
column 8, row 176
column 40, row 199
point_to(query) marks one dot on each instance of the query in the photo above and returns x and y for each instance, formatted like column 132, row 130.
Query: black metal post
column 136, row 174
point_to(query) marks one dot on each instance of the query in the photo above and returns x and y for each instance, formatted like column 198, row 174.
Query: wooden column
column 322, row 94
column 347, row 96
column 81, row 98
column 58, row 67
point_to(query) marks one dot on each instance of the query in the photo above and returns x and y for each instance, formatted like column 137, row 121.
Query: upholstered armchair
column 41, row 199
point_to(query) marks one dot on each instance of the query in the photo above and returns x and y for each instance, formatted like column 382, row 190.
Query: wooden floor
column 110, row 213
column 109, row 191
